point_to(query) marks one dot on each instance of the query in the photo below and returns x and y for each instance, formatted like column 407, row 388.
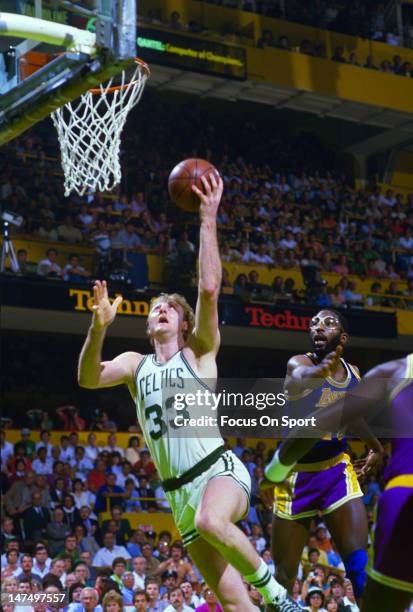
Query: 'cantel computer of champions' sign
column 192, row 53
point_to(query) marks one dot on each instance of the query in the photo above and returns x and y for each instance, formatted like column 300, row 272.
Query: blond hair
column 189, row 316
column 110, row 597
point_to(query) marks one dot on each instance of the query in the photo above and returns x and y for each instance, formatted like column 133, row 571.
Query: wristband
column 276, row 471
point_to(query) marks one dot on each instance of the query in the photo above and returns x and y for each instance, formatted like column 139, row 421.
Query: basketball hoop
column 89, row 132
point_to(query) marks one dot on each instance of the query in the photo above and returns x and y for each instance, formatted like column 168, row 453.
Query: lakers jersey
column 174, row 447
column 309, row 400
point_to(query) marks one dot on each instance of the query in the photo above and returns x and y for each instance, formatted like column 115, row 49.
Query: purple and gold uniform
column 324, row 479
column 393, row 535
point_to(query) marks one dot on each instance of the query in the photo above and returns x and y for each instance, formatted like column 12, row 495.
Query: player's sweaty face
column 325, row 331
column 165, row 315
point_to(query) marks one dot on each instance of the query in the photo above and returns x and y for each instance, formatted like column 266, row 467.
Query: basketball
column 183, row 176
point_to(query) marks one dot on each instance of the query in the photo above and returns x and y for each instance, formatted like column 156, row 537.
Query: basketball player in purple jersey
column 385, row 395
column 324, row 480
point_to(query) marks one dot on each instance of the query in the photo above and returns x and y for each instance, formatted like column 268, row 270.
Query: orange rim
column 141, row 63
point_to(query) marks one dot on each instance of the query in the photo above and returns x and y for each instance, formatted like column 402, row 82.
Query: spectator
column 7, row 532
column 89, row 599
column 49, row 267
column 145, row 465
column 152, row 590
column 151, row 562
column 56, row 531
column 6, row 449
column 12, row 567
column 29, row 445
column 175, row 21
column 370, row 63
column 211, row 602
column 45, row 441
column 139, row 572
column 26, row 570
column 338, row 55
column 19, row 497
column 106, row 498
column 176, row 601
column 42, row 465
column 132, row 454
column 331, row 605
column 41, row 561
column 36, row 517
column 341, row 267
column 85, row 542
column 123, row 529
column 47, row 231
column 70, row 550
column 191, row 599
column 352, row 297
column 352, row 59
column 349, row 599
column 24, row 266
column 96, row 478
column 267, row 40
column 284, row 43
column 70, row 512
column 67, row 231
column 73, row 272
column 110, row 551
column 314, row 599
column 141, row 600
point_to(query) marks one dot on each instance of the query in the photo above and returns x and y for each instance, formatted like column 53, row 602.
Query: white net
column 89, row 132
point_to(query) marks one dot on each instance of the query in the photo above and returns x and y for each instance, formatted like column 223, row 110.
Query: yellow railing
column 250, row 27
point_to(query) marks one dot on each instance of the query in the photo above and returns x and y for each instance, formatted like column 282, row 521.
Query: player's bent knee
column 208, row 523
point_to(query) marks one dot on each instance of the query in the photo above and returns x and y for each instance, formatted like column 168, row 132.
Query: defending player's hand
column 329, row 365
column 210, row 197
column 104, row 311
column 368, row 464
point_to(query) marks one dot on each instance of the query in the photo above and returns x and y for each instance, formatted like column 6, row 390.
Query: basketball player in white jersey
column 207, row 487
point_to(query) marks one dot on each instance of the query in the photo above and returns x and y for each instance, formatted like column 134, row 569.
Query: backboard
column 48, row 57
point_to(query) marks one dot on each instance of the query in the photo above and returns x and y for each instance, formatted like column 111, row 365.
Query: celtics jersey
column 175, row 445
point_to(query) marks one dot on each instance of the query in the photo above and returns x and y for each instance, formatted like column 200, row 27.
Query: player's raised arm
column 92, row 372
column 364, row 402
column 206, row 334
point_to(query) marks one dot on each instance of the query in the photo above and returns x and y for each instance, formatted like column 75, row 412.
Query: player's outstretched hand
column 210, row 196
column 329, row 365
column 368, row 464
column 104, row 311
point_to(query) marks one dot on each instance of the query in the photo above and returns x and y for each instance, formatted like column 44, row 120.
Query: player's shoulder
column 130, row 359
column 299, row 360
column 354, row 368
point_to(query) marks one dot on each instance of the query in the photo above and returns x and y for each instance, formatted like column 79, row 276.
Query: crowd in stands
column 367, row 19
column 279, row 210
column 397, row 66
column 53, row 539
column 269, row 38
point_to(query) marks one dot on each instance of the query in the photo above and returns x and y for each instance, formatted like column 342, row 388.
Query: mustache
column 329, row 347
